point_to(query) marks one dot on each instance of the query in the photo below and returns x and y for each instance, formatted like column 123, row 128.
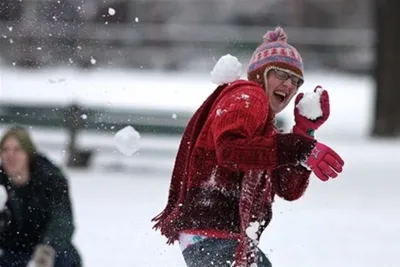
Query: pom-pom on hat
column 274, row 51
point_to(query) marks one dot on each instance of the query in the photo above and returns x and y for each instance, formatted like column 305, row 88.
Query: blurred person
column 38, row 226
column 232, row 161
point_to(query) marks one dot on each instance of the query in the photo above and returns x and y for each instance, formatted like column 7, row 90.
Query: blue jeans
column 21, row 259
column 214, row 252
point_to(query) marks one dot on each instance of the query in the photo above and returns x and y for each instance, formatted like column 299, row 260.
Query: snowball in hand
column 3, row 197
column 127, row 140
column 227, row 70
column 309, row 106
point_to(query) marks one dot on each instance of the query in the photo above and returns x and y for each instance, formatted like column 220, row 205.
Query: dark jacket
column 40, row 211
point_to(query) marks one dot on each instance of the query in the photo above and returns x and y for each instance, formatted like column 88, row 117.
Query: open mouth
column 281, row 96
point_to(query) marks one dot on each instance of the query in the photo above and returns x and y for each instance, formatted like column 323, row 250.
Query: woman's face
column 281, row 88
column 14, row 158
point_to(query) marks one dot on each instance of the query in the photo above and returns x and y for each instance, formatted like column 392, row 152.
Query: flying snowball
column 111, row 11
column 127, row 140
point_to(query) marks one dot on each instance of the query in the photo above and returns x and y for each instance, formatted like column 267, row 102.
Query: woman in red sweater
column 232, row 161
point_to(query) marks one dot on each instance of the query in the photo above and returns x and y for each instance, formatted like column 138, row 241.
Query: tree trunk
column 387, row 71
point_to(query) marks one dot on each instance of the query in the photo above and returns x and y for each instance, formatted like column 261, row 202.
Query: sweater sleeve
column 237, row 119
column 291, row 181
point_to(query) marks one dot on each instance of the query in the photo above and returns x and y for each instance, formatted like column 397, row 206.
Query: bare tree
column 387, row 74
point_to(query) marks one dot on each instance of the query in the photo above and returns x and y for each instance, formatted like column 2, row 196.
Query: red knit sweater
column 230, row 164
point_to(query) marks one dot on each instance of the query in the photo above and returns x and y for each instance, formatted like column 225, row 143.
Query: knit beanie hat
column 274, row 52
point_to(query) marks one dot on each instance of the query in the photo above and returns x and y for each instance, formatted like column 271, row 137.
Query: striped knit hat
column 274, row 52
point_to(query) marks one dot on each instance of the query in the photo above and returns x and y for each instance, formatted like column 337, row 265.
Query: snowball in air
column 3, row 197
column 227, row 70
column 127, row 140
column 111, row 11
column 309, row 106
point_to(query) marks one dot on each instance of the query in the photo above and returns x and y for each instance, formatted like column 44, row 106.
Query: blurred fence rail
column 101, row 119
column 73, row 120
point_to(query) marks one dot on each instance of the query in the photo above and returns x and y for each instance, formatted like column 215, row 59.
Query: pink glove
column 307, row 126
column 325, row 162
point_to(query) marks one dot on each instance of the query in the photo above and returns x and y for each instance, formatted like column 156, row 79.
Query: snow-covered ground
column 353, row 221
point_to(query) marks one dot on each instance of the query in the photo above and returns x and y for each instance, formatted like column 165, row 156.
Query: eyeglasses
column 283, row 75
